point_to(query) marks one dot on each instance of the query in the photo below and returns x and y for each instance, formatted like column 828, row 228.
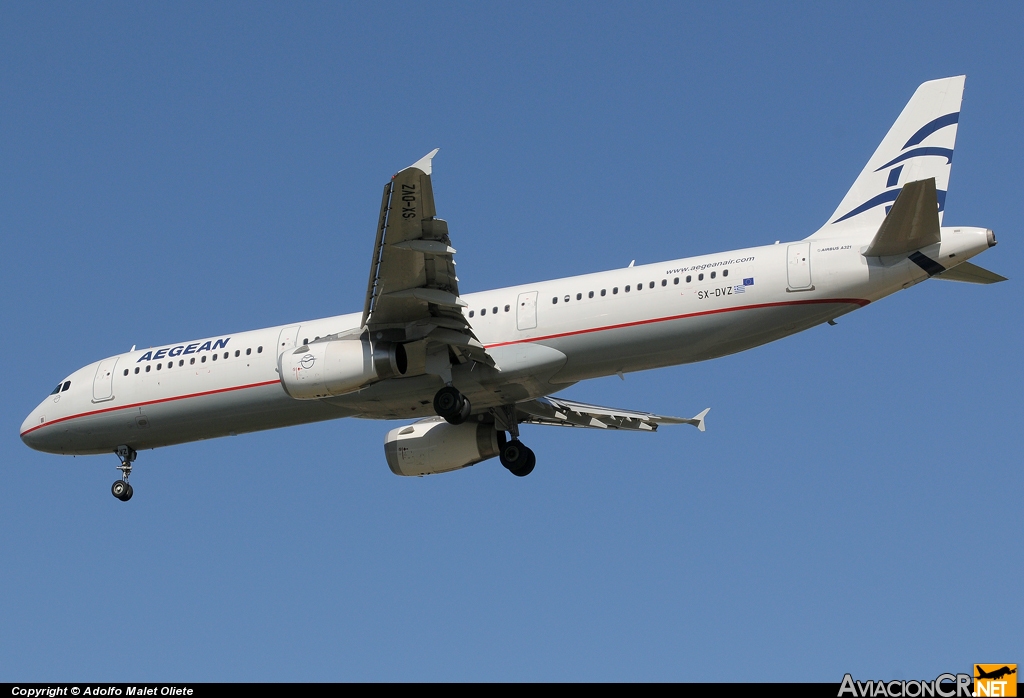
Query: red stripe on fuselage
column 855, row 301
column 151, row 402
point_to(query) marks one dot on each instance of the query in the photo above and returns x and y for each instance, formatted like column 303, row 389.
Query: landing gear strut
column 121, row 489
column 513, row 454
column 452, row 405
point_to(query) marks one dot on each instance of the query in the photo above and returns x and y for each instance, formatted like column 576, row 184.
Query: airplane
column 471, row 368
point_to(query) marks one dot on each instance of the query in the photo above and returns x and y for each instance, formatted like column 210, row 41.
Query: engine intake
column 326, row 369
column 433, row 445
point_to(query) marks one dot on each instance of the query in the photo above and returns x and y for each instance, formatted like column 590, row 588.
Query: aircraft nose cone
column 30, row 435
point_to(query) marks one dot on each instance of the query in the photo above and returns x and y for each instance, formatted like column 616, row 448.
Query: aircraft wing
column 413, row 292
column 566, row 413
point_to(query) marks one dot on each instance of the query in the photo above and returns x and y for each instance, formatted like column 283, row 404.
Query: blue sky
column 182, row 170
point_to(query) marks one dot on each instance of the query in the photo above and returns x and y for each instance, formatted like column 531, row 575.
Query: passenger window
column 676, row 281
column 126, row 372
column 507, row 307
column 640, row 286
column 725, row 272
column 615, row 289
column 248, row 351
column 181, row 362
column 567, row 299
column 664, row 282
column 192, row 361
column 136, row 370
column 688, row 277
column 159, row 366
column 554, row 300
column 652, row 284
column 305, row 341
column 471, row 313
column 602, row 291
column 579, row 296
column 226, row 353
column 259, row 350
column 590, row 295
column 483, row 311
column 170, row 364
column 203, row 360
column 700, row 277
column 627, row 289
column 237, row 353
column 713, row 274
column 148, row 367
column 494, row 310
column 214, row 357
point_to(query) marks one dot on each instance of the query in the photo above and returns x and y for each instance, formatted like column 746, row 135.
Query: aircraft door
column 103, row 383
column 799, row 267
column 526, row 311
column 289, row 336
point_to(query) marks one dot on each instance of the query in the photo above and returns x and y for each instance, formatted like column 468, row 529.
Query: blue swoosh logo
column 931, row 127
column 884, row 198
column 921, row 152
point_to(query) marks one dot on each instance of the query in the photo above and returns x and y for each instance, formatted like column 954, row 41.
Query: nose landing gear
column 121, row 489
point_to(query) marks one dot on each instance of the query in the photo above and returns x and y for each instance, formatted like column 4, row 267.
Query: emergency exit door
column 526, row 311
column 103, row 383
column 799, row 267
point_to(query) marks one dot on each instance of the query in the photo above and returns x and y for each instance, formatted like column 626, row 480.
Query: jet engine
column 434, row 446
column 324, row 369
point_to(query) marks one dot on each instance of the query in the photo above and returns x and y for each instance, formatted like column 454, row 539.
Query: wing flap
column 567, row 413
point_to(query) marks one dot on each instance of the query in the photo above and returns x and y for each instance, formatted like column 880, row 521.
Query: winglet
column 424, row 162
column 699, row 419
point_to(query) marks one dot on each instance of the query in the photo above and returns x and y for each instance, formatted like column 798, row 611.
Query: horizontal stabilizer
column 912, row 223
column 971, row 274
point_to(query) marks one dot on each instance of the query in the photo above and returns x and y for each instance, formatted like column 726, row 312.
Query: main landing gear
column 121, row 489
column 452, row 405
column 517, row 458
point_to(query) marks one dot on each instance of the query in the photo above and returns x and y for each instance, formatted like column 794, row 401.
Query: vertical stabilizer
column 919, row 146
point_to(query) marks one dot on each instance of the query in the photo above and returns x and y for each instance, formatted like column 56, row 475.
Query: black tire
column 511, row 454
column 467, row 409
column 527, row 467
column 447, row 402
column 118, row 489
column 129, row 492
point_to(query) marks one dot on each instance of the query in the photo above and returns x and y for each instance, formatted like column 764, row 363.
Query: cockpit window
column 56, row 390
column 67, row 384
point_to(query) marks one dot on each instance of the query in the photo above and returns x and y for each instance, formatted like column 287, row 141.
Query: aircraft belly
column 193, row 419
column 686, row 340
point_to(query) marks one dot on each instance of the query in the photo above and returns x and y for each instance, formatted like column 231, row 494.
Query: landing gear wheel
column 452, row 405
column 531, row 461
column 517, row 458
column 121, row 489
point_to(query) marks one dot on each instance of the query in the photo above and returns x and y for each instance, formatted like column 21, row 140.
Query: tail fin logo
column 911, row 150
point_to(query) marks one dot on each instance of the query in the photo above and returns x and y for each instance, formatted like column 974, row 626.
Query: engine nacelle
column 324, row 369
column 435, row 446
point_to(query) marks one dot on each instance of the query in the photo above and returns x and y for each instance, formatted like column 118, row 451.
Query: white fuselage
column 543, row 338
